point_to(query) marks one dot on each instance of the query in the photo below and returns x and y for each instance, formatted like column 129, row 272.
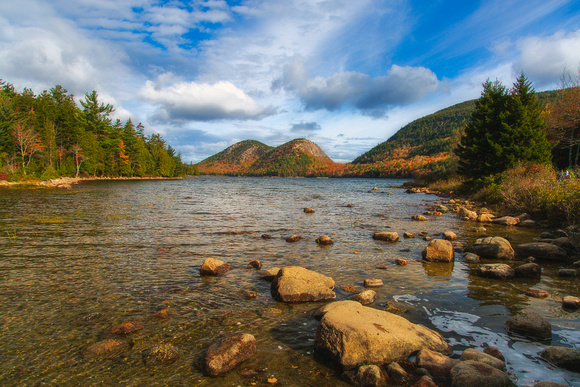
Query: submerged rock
column 228, row 352
column 528, row 270
column 438, row 250
column 529, row 323
column 496, row 270
column 351, row 335
column 214, row 267
column 492, row 248
column 541, row 250
column 125, row 328
column 297, row 284
column 160, row 353
column 106, row 349
column 536, row 293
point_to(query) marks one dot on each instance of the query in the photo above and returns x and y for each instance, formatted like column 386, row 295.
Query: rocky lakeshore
column 339, row 301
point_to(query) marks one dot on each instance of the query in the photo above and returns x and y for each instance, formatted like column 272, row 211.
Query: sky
column 344, row 74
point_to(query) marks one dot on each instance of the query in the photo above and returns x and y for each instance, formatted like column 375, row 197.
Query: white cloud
column 191, row 101
column 373, row 96
column 544, row 58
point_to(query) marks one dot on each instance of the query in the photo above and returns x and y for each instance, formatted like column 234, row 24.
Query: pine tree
column 505, row 129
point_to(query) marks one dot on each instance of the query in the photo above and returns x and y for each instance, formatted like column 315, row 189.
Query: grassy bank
column 534, row 189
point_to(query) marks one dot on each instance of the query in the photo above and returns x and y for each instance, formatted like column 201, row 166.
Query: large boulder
column 496, row 270
column 563, row 357
column 438, row 250
column 351, row 335
column 297, row 284
column 529, row 323
column 474, row 373
column 493, row 248
column 228, row 352
column 540, row 250
column 212, row 266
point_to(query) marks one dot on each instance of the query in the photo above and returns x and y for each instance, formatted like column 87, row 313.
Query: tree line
column 49, row 135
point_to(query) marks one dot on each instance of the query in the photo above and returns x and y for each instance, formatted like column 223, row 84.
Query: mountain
column 234, row 159
column 299, row 157
column 431, row 135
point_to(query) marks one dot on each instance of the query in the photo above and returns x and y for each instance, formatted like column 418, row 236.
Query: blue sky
column 344, row 74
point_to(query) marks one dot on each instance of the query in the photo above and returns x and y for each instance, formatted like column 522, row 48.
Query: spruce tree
column 505, row 129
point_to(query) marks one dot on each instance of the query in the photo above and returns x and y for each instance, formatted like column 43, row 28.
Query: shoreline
column 68, row 182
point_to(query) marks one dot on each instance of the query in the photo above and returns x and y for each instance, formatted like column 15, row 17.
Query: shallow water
column 75, row 263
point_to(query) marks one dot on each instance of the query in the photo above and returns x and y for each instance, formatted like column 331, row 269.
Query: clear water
column 75, row 263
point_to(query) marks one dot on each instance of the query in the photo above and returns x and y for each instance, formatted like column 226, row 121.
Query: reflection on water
column 75, row 263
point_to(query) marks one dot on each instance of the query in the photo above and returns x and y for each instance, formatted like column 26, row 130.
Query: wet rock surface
column 228, row 352
column 530, row 324
column 297, row 284
column 351, row 335
column 214, row 267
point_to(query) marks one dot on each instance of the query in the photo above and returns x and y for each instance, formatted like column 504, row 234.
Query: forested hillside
column 235, row 159
column 48, row 135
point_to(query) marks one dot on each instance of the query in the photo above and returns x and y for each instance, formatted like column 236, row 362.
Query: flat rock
column 351, row 335
column 387, row 236
column 473, row 373
column 297, row 284
column 496, row 270
column 228, row 352
column 506, row 221
column 471, row 258
column 541, row 250
column 439, row 250
column 492, row 248
column 536, row 293
column 214, row 267
column 373, row 283
column 530, row 324
column 564, row 357
column 475, row 355
column 567, row 273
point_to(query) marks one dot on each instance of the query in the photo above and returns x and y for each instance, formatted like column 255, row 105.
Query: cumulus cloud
column 372, row 96
column 191, row 101
column 544, row 58
column 305, row 127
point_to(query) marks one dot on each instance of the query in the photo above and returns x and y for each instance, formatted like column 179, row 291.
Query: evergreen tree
column 505, row 128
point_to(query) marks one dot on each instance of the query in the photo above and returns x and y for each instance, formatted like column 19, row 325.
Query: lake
column 74, row 263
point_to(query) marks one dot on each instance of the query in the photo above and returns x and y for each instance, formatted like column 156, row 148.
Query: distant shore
column 69, row 182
